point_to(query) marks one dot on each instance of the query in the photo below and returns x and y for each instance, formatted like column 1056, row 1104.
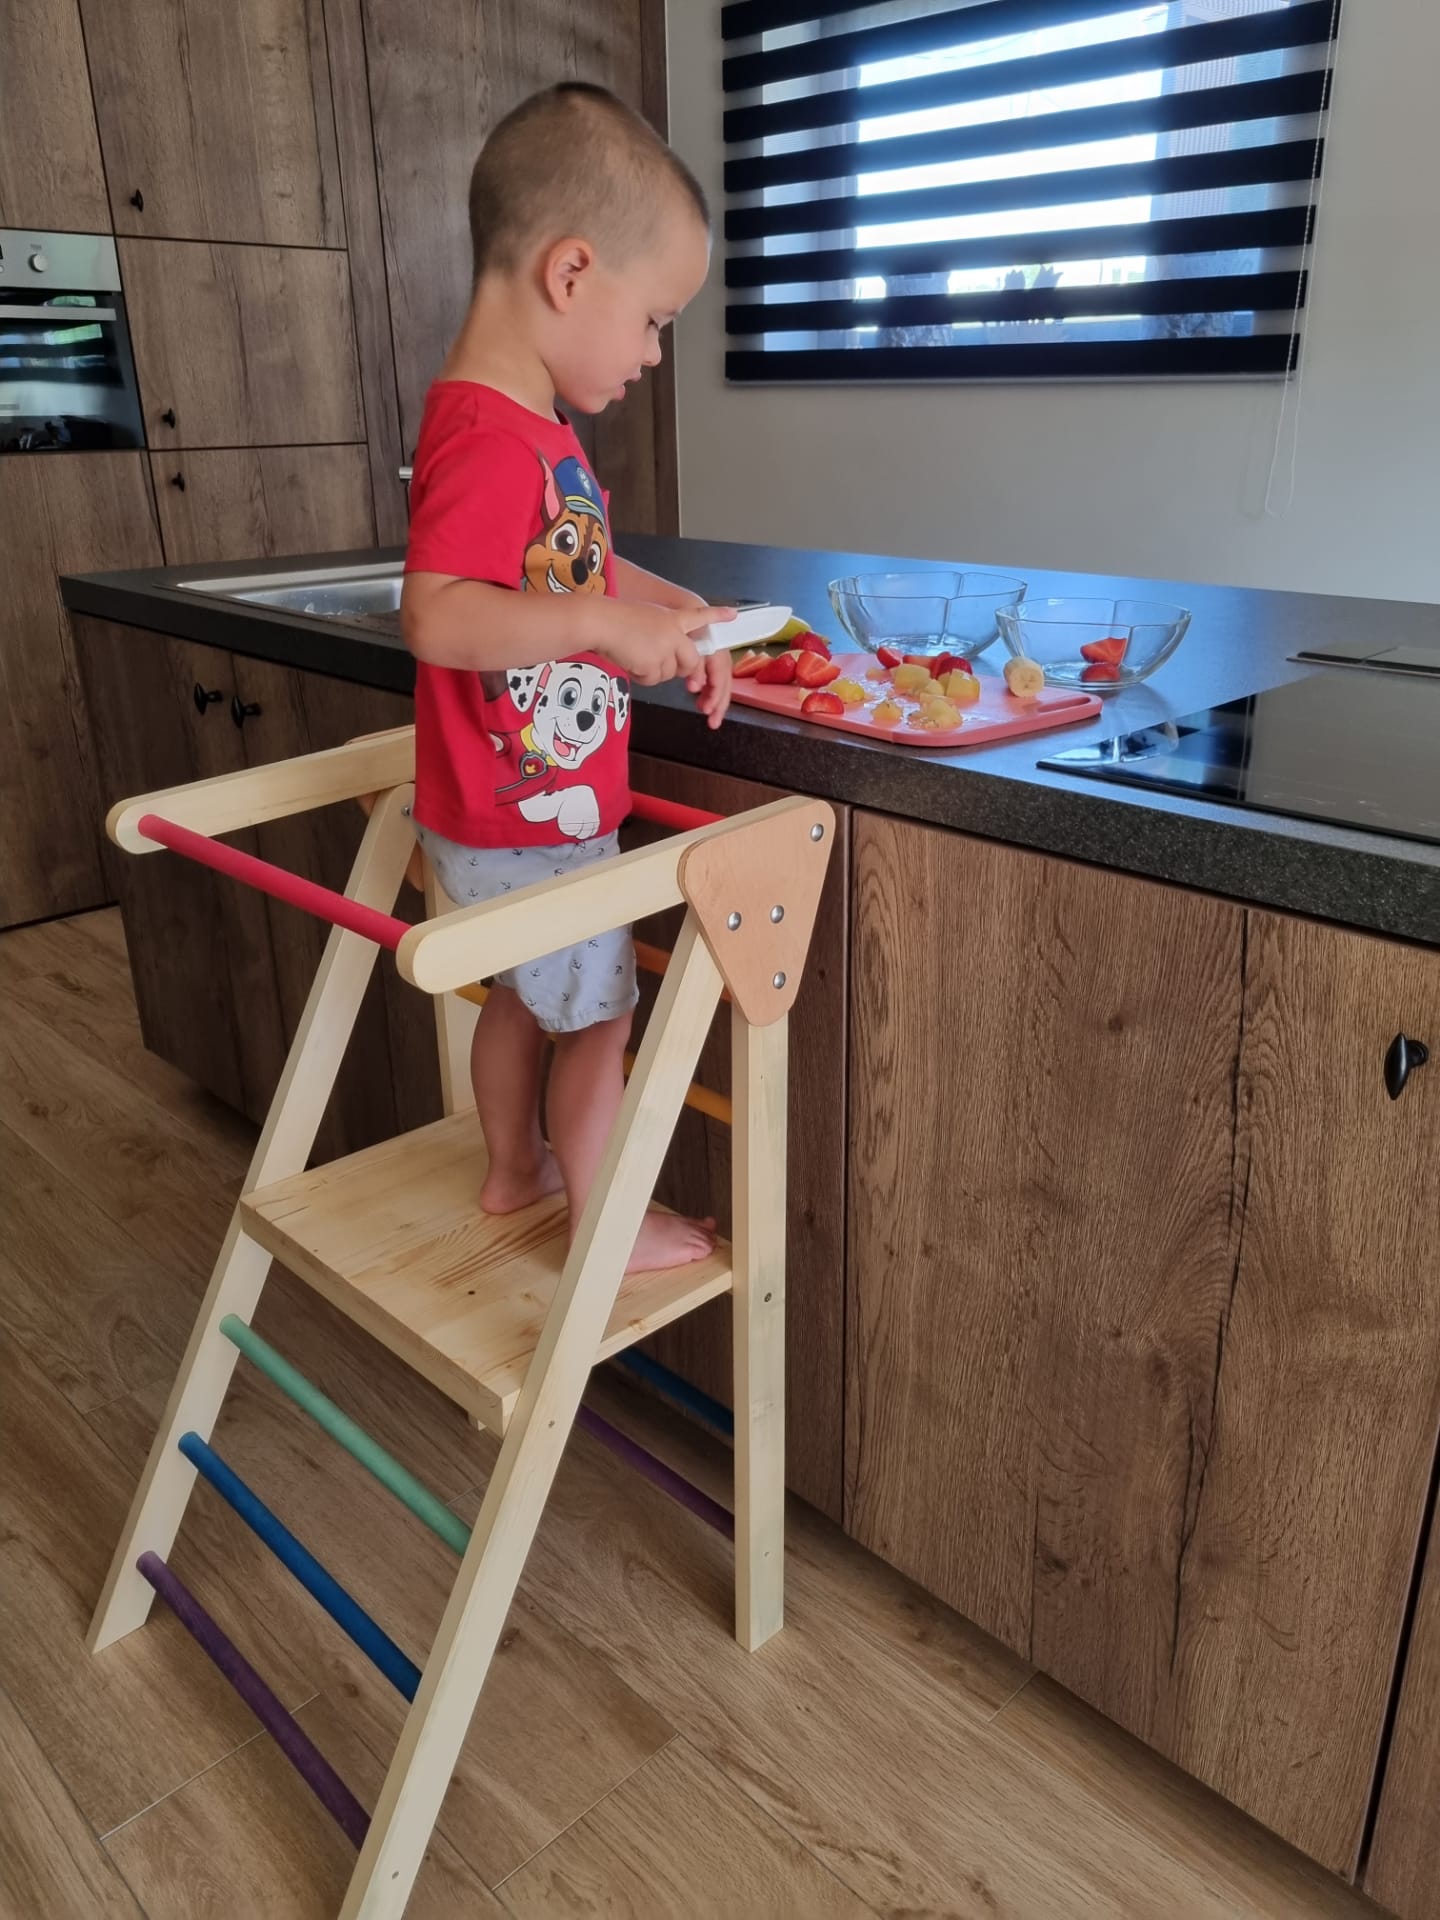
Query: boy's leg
column 505, row 1066
column 587, row 1083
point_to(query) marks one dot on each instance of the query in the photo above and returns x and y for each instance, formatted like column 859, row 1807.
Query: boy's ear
column 564, row 267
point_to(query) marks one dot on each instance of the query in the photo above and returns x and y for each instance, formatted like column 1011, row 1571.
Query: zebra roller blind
column 928, row 190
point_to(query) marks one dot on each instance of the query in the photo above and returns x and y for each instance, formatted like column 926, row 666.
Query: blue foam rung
column 372, row 1640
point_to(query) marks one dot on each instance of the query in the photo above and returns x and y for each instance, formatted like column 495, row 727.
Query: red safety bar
column 670, row 813
column 323, row 902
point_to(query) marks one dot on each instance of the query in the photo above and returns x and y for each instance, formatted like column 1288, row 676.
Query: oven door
column 67, row 375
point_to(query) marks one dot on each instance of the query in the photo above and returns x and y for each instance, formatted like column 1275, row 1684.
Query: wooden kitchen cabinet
column 50, row 171
column 440, row 79
column 245, row 346
column 1403, row 1870
column 222, row 973
column 61, row 513
column 1143, row 1302
column 216, row 122
column 697, row 1172
column 232, row 502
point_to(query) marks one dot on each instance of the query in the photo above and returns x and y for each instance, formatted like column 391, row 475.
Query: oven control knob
column 39, row 261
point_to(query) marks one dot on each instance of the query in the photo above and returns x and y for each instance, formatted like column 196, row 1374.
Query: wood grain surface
column 51, row 175
column 239, row 503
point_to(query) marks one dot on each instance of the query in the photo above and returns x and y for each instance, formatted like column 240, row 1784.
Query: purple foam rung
column 657, row 1472
column 296, row 1745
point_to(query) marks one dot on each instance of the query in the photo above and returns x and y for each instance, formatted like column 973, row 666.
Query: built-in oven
column 67, row 373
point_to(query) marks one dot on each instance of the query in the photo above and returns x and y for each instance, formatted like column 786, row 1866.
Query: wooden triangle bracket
column 755, row 892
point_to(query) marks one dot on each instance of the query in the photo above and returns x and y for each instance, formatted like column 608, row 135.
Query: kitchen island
column 1114, row 1315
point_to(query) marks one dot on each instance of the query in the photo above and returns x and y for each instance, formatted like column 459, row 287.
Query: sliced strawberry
column 890, row 657
column 1105, row 653
column 814, row 670
column 1102, row 670
column 817, row 703
column 925, row 660
column 778, row 672
column 749, row 664
column 944, row 663
column 811, row 643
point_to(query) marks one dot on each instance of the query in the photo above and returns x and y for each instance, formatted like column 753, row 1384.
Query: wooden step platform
column 395, row 1237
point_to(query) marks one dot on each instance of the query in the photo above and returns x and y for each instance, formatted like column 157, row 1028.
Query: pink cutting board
column 997, row 715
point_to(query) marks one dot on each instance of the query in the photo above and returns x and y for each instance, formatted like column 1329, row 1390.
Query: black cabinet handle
column 168, row 416
column 242, row 710
column 137, row 200
column 205, row 697
column 178, row 480
column 1402, row 1057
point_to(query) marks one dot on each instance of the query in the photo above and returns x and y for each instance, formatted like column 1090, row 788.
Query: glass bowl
column 1099, row 645
column 938, row 611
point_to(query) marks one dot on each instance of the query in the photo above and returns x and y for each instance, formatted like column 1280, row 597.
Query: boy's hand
column 653, row 644
column 711, row 685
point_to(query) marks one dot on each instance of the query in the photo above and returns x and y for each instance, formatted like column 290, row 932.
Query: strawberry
column 749, row 664
column 811, row 643
column 814, row 670
column 944, row 663
column 1105, row 653
column 1102, row 670
column 778, row 672
column 890, row 657
column 818, row 703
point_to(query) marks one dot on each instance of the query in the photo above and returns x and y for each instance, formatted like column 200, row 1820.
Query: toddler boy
column 589, row 237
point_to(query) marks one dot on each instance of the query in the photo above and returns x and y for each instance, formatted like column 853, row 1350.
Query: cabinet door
column 50, row 172
column 218, row 118
column 245, row 346
column 238, row 503
column 440, row 79
column 1302, row 1528
column 697, row 1172
column 61, row 513
column 200, row 953
column 1142, row 1311
column 1403, row 1871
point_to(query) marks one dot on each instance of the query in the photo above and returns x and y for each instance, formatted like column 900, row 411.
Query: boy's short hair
column 572, row 159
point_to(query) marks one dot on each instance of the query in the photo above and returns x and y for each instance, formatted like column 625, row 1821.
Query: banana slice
column 1024, row 678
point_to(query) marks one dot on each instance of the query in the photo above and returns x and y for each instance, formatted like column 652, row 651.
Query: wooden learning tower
column 495, row 1312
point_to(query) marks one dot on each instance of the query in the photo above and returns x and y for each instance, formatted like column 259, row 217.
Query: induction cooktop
column 1355, row 749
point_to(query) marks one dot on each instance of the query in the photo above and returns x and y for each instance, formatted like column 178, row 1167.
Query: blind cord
column 1303, row 285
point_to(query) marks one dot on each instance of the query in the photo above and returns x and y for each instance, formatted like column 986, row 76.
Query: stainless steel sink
column 334, row 593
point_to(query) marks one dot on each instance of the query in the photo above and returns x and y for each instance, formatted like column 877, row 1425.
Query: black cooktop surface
column 1355, row 749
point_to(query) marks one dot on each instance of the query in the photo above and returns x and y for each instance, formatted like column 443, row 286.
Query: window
column 925, row 189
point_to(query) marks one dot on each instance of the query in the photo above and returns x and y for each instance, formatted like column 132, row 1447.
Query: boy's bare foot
column 508, row 1189
column 670, row 1240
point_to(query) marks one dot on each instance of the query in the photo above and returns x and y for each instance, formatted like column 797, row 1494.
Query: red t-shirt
column 535, row 756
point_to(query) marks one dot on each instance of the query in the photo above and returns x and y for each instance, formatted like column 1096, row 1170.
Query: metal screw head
column 777, row 914
column 817, row 832
column 733, row 922
column 778, row 982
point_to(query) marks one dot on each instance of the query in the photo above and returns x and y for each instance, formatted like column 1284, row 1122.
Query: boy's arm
column 711, row 685
column 447, row 621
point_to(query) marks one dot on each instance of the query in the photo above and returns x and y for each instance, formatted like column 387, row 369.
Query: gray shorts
column 576, row 987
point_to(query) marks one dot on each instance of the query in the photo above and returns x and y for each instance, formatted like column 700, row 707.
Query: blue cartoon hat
column 577, row 487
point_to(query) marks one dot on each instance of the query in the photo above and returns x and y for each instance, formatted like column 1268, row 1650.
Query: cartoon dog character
column 572, row 706
column 568, row 554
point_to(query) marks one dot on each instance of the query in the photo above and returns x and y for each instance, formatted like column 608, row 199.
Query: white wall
column 1162, row 479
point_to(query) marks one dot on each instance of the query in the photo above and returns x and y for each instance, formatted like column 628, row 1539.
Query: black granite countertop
column 1240, row 642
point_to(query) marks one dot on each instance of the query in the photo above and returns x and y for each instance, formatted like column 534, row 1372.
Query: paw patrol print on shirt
column 574, row 707
column 569, row 552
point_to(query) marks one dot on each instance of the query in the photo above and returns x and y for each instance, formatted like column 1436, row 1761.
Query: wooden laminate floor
column 880, row 1757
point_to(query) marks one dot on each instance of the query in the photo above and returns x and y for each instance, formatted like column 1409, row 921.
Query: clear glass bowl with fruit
column 1098, row 645
column 939, row 610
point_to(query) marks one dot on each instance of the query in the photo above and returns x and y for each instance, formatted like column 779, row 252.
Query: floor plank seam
column 141, row 1812
column 1009, row 1700
column 584, row 1813
column 63, row 1786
